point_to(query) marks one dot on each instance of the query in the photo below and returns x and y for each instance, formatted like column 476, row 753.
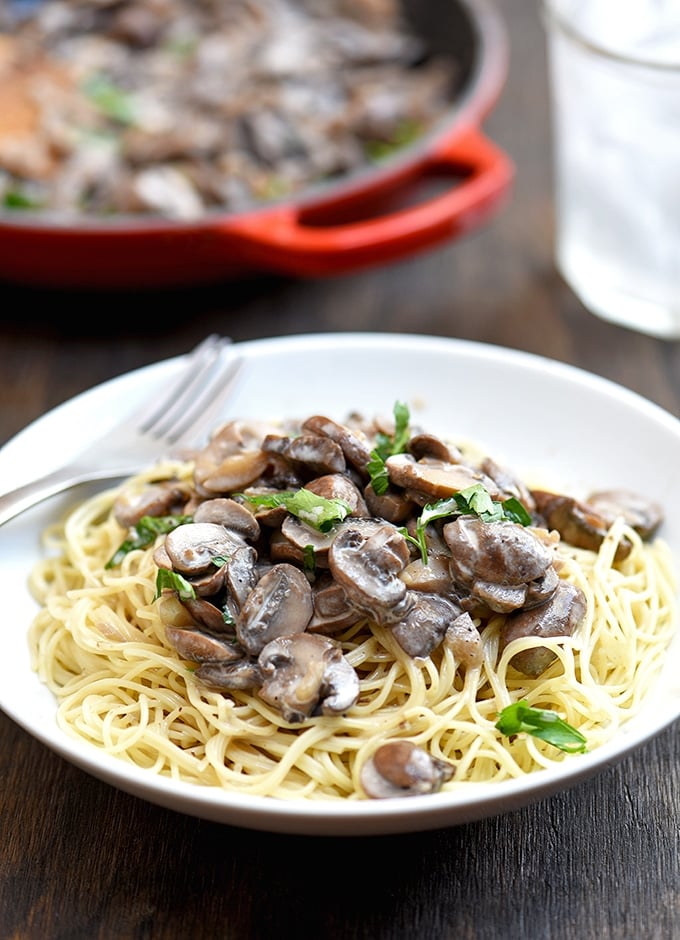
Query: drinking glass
column 615, row 86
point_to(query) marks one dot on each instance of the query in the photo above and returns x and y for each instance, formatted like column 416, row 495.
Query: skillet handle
column 298, row 242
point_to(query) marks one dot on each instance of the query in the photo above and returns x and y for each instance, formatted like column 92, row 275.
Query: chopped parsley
column 173, row 581
column 541, row 723
column 474, row 500
column 144, row 533
column 108, row 98
column 316, row 511
column 386, row 446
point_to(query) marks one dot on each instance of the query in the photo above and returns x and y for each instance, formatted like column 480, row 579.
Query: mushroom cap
column 438, row 478
column 231, row 514
column 352, row 441
column 642, row 514
column 400, row 768
column 305, row 671
column 339, row 486
column 559, row 616
column 280, row 604
column 366, row 561
column 243, row 674
column 498, row 552
column 192, row 547
column 424, row 627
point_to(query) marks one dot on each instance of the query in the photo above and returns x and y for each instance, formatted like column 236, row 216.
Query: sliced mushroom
column 400, row 768
column 433, row 577
column 352, row 441
column 161, row 558
column 542, row 589
column 280, row 604
column 209, row 583
column 427, row 445
column 366, row 561
column 465, row 641
column 208, row 615
column 501, row 552
column 438, row 478
column 243, row 675
column 155, row 499
column 233, row 459
column 202, row 647
column 317, row 455
column 559, row 616
column 502, row 598
column 393, row 505
column 339, row 486
column 424, row 627
column 230, row 514
column 578, row 523
column 306, row 674
column 642, row 514
column 192, row 547
column 240, row 574
column 183, row 631
column 301, row 536
column 332, row 610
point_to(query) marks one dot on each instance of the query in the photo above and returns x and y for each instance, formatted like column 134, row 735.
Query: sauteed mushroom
column 192, row 547
column 230, row 514
column 425, row 625
column 642, row 514
column 273, row 579
column 366, row 562
column 305, row 674
column 156, row 499
column 437, row 478
column 579, row 523
column 352, row 442
column 279, row 605
column 559, row 616
column 400, row 768
column 496, row 561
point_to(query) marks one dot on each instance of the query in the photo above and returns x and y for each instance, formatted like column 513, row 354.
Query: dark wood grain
column 79, row 859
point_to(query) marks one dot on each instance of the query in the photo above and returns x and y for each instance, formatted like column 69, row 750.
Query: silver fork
column 169, row 422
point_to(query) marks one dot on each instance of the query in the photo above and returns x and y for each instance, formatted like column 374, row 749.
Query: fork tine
column 199, row 414
column 200, row 359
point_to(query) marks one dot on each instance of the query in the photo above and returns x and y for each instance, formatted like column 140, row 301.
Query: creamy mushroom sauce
column 176, row 107
column 253, row 594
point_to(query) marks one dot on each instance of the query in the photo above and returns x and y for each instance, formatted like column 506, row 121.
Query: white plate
column 534, row 414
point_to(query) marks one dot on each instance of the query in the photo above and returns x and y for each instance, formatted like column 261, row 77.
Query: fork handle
column 30, row 494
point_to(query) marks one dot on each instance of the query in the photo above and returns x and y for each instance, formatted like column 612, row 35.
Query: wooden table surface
column 78, row 859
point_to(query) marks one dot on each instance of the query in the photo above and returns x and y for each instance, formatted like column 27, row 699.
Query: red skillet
column 378, row 216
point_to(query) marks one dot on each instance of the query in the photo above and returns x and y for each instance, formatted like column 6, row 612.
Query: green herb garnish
column 144, row 533
column 309, row 559
column 405, row 133
column 316, row 511
column 474, row 500
column 175, row 582
column 541, row 723
column 15, row 199
column 108, row 98
column 386, row 446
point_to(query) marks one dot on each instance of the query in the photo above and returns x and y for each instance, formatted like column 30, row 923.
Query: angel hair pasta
column 354, row 610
